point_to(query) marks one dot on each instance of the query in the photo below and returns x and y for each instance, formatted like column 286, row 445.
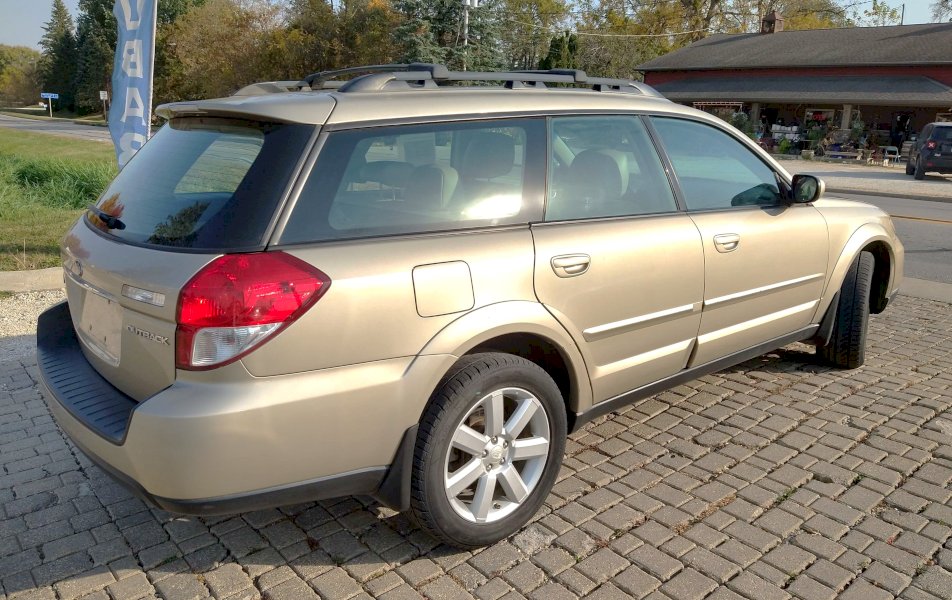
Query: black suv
column 932, row 151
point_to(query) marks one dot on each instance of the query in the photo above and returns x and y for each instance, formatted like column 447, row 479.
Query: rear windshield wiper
column 108, row 220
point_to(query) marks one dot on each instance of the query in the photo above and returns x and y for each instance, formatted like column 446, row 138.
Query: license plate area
column 100, row 327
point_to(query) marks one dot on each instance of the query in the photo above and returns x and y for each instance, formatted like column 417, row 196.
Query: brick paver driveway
column 773, row 479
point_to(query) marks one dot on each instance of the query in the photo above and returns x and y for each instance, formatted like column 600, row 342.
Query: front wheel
column 847, row 346
column 910, row 167
column 488, row 450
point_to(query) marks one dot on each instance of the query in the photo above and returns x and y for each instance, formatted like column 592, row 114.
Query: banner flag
column 131, row 112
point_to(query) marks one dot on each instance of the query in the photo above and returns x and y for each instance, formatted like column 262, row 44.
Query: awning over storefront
column 876, row 91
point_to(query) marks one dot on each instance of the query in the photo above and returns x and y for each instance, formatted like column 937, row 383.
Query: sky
column 21, row 21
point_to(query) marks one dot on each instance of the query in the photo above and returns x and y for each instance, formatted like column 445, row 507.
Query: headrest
column 606, row 170
column 391, row 173
column 488, row 155
column 431, row 186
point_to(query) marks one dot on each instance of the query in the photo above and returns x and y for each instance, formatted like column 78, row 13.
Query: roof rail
column 428, row 75
column 605, row 83
column 392, row 77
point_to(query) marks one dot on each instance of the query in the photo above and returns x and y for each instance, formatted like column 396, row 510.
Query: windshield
column 204, row 183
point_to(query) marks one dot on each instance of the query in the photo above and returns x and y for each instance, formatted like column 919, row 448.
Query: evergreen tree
column 417, row 33
column 562, row 53
column 484, row 51
column 96, row 42
column 58, row 65
column 432, row 31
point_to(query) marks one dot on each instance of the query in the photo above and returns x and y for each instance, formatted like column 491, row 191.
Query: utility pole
column 467, row 4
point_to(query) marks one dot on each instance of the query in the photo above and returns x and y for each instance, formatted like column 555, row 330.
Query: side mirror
column 806, row 189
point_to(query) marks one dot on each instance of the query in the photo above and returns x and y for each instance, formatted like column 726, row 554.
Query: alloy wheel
column 497, row 455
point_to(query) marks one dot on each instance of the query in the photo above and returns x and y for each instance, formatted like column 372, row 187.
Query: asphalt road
column 61, row 128
column 925, row 228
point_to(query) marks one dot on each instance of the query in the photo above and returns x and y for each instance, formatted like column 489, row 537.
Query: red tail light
column 930, row 145
column 238, row 301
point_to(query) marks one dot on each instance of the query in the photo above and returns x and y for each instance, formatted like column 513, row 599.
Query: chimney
column 772, row 23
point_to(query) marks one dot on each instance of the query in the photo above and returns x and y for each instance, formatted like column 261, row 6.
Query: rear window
column 421, row 178
column 203, row 184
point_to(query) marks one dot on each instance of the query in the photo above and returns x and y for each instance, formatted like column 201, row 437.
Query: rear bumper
column 223, row 441
column 363, row 482
column 937, row 163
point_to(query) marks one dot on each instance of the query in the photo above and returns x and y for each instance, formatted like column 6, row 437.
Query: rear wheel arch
column 520, row 328
column 541, row 351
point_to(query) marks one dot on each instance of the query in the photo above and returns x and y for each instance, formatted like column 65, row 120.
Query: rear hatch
column 942, row 138
column 203, row 186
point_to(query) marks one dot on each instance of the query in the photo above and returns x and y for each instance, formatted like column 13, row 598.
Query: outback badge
column 147, row 334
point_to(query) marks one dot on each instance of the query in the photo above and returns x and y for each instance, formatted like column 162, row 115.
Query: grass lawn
column 45, row 181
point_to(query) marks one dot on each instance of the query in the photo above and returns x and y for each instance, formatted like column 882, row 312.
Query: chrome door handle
column 726, row 242
column 570, row 265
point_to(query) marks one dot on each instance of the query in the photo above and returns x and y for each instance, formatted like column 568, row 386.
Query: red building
column 892, row 79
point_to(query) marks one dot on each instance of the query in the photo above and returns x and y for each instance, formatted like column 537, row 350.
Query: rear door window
column 203, row 184
column 421, row 178
column 604, row 166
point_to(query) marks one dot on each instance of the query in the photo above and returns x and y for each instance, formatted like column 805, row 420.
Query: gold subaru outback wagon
column 413, row 285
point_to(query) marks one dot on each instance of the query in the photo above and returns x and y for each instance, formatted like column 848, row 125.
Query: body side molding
column 578, row 420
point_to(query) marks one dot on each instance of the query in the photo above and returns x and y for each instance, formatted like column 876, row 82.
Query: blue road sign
column 49, row 95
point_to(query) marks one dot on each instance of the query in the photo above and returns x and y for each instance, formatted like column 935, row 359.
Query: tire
column 910, row 168
column 470, row 498
column 920, row 170
column 847, row 346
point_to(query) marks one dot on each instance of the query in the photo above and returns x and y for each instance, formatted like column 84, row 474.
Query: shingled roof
column 929, row 44
column 888, row 90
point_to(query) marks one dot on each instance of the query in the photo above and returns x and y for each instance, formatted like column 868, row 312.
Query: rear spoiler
column 311, row 108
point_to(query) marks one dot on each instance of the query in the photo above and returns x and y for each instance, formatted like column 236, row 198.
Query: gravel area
column 18, row 313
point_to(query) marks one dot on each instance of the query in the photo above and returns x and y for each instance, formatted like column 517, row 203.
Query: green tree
column 528, row 29
column 699, row 16
column 432, row 31
column 483, row 52
column 563, row 51
column 96, row 44
column 311, row 41
column 942, row 10
column 19, row 75
column 365, row 33
column 743, row 16
column 222, row 46
column 169, row 83
column 417, row 32
column 58, row 64
column 613, row 40
column 880, row 14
